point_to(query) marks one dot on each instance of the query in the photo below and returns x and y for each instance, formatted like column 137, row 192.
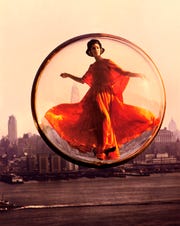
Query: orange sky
column 30, row 30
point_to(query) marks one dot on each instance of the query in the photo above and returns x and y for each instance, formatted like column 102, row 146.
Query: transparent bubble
column 111, row 117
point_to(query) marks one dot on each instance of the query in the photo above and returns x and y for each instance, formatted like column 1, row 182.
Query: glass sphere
column 108, row 116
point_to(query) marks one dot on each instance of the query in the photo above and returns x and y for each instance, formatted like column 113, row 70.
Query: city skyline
column 29, row 34
column 171, row 125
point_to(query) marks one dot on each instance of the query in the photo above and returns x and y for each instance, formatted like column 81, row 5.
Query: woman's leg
column 107, row 143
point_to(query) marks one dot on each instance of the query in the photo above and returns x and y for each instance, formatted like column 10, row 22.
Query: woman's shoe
column 108, row 150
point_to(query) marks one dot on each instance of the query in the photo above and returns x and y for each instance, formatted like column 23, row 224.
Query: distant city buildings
column 173, row 128
column 165, row 148
column 165, row 136
column 30, row 154
column 12, row 129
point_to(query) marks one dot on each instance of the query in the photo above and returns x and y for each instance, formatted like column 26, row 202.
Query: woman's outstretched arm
column 126, row 73
column 137, row 75
column 130, row 74
column 67, row 75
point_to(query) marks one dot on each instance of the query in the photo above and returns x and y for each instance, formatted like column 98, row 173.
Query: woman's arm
column 67, row 75
column 125, row 73
column 137, row 75
column 130, row 74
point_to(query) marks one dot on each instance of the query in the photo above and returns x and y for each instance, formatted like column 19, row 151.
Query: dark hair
column 90, row 44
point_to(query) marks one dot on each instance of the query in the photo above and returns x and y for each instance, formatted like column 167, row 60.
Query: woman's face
column 96, row 50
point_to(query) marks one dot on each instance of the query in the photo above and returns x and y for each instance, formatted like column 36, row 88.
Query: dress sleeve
column 117, row 68
column 87, row 77
column 120, row 79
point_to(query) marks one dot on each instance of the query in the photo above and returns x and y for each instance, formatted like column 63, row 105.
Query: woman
column 101, row 122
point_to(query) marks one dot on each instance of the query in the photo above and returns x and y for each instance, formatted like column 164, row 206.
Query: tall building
column 12, row 129
column 32, row 163
column 172, row 126
column 165, row 136
column 75, row 94
column 43, row 163
column 55, row 163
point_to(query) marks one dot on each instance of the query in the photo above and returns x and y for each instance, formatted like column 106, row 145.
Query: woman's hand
column 136, row 75
column 142, row 76
column 139, row 75
column 64, row 75
column 77, row 79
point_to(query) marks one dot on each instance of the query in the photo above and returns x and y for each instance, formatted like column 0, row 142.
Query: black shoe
column 108, row 150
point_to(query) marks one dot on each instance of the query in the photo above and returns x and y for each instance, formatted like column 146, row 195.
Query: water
column 153, row 200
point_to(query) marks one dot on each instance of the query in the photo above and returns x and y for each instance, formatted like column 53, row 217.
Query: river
column 143, row 201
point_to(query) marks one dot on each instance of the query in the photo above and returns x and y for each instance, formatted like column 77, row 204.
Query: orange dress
column 101, row 120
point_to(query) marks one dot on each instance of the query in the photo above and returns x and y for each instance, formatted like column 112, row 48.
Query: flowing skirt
column 100, row 122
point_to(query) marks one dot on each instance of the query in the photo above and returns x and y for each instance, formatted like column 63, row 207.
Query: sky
column 31, row 29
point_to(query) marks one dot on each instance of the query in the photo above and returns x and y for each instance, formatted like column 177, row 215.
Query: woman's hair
column 90, row 44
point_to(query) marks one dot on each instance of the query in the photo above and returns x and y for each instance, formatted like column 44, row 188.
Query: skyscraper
column 12, row 129
column 172, row 126
column 75, row 94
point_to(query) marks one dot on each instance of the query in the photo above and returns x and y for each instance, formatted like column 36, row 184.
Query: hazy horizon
column 32, row 29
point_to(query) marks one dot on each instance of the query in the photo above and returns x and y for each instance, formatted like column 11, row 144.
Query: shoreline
column 75, row 176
